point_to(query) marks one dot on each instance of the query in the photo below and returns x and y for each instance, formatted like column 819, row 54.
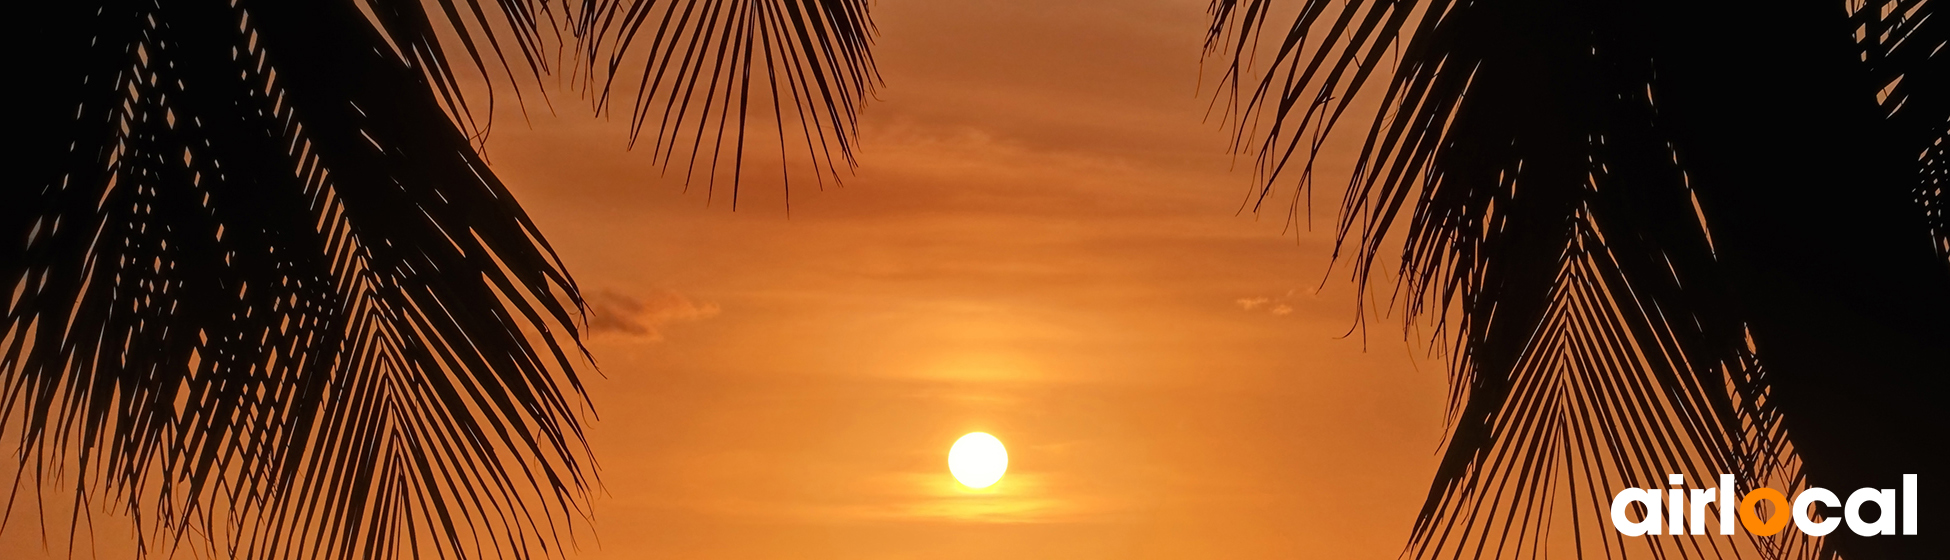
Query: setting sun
column 978, row 460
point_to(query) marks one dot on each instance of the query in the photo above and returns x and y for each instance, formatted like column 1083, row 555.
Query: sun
column 978, row 460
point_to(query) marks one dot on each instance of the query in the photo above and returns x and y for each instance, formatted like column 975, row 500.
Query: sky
column 1044, row 241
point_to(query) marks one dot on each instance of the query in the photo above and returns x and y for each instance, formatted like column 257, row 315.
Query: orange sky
column 1041, row 243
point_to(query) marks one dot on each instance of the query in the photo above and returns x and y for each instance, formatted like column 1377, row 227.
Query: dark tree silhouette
column 1659, row 237
column 263, row 290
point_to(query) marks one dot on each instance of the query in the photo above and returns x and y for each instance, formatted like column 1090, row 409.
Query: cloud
column 1278, row 306
column 644, row 317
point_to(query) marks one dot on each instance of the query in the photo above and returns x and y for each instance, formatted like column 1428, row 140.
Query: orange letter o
column 1750, row 515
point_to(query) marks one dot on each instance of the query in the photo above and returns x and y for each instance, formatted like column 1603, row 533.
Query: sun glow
column 978, row 460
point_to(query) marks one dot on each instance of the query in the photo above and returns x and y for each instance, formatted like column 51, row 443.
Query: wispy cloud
column 1271, row 305
column 643, row 316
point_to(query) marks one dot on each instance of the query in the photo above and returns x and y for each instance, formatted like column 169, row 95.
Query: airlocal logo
column 1748, row 508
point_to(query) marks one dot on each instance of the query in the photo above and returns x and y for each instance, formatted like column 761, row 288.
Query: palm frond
column 414, row 37
column 1905, row 45
column 692, row 70
column 702, row 62
column 1546, row 226
column 265, row 293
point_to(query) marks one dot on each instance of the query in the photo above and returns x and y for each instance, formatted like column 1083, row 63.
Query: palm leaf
column 1547, row 226
column 701, row 65
column 264, row 291
column 1903, row 46
column 696, row 65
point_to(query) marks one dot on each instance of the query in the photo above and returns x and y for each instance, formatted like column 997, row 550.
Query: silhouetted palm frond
column 1903, row 45
column 696, row 69
column 1549, row 225
column 266, row 292
column 262, row 290
column 702, row 70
